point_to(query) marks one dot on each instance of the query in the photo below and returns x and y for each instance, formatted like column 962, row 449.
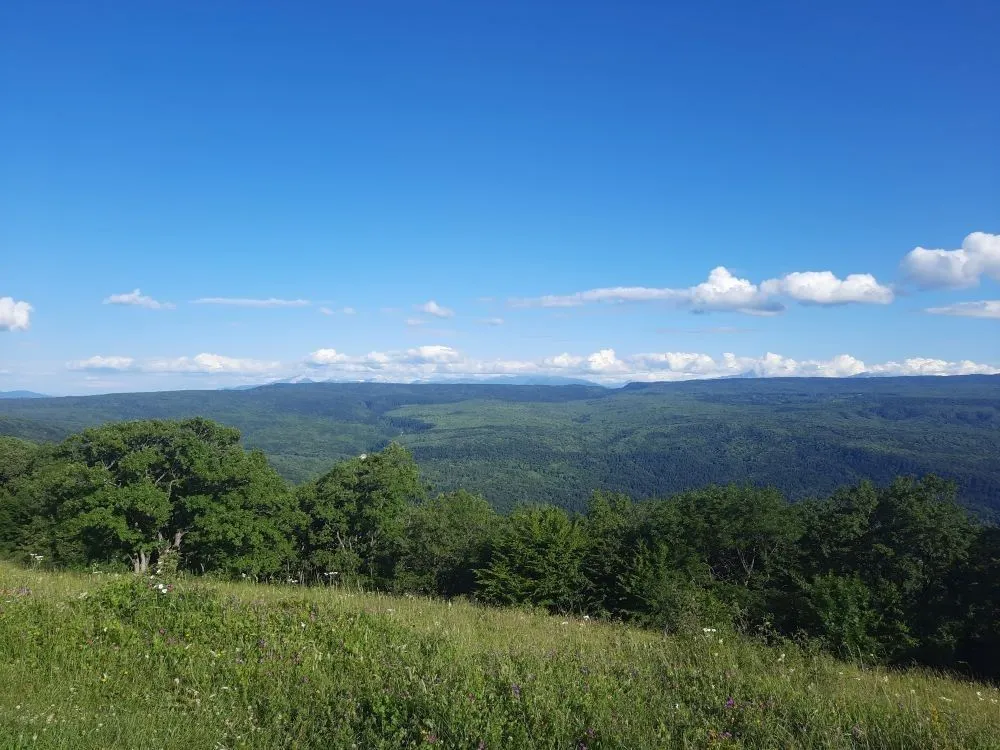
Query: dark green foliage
column 538, row 560
column 355, row 512
column 805, row 437
column 445, row 540
column 896, row 572
column 140, row 491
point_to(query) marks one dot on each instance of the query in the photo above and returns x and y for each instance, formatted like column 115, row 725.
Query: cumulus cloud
column 209, row 364
column 433, row 308
column 137, row 299
column 987, row 308
column 14, row 315
column 607, row 366
column 245, row 302
column 824, row 288
column 723, row 291
column 978, row 256
column 326, row 311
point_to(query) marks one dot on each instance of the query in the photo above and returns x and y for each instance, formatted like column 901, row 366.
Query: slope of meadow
column 100, row 661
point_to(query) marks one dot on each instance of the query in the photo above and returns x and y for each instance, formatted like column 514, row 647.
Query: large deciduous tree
column 148, row 490
column 356, row 515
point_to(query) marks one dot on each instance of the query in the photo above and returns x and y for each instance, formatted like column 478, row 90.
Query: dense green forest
column 897, row 572
column 555, row 444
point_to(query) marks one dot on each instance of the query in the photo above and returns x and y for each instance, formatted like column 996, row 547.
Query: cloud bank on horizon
column 604, row 366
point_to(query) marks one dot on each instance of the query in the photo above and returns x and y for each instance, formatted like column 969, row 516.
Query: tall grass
column 114, row 662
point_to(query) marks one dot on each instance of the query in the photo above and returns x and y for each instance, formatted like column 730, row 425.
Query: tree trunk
column 140, row 563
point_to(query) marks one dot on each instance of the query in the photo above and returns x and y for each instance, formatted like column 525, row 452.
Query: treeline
column 896, row 573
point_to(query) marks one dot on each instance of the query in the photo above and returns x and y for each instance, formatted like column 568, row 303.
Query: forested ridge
column 555, row 444
column 896, row 572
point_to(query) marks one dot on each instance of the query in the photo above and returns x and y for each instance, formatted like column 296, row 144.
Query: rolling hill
column 557, row 443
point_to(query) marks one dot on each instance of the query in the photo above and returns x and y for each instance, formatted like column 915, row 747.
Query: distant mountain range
column 514, row 380
column 514, row 442
column 495, row 380
column 21, row 394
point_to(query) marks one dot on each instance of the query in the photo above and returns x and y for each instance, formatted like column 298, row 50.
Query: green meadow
column 119, row 661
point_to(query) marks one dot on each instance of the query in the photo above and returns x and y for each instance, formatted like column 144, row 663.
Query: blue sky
column 635, row 190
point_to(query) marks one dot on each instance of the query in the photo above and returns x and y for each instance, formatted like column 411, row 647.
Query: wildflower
column 586, row 617
column 782, row 658
column 946, row 700
column 709, row 630
column 564, row 622
column 730, row 703
column 515, row 689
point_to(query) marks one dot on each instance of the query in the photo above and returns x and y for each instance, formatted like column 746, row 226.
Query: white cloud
column 323, row 357
column 434, row 354
column 606, row 366
column 824, row 288
column 987, row 308
column 415, row 321
column 723, row 291
column 979, row 256
column 925, row 366
column 14, row 315
column 492, row 321
column 138, row 299
column 605, row 294
column 211, row 364
column 244, row 302
column 326, row 311
column 605, row 361
column 99, row 363
column 349, row 311
column 433, row 308
column 563, row 361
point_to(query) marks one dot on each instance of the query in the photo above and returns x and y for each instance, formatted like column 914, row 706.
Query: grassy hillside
column 100, row 662
column 556, row 444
